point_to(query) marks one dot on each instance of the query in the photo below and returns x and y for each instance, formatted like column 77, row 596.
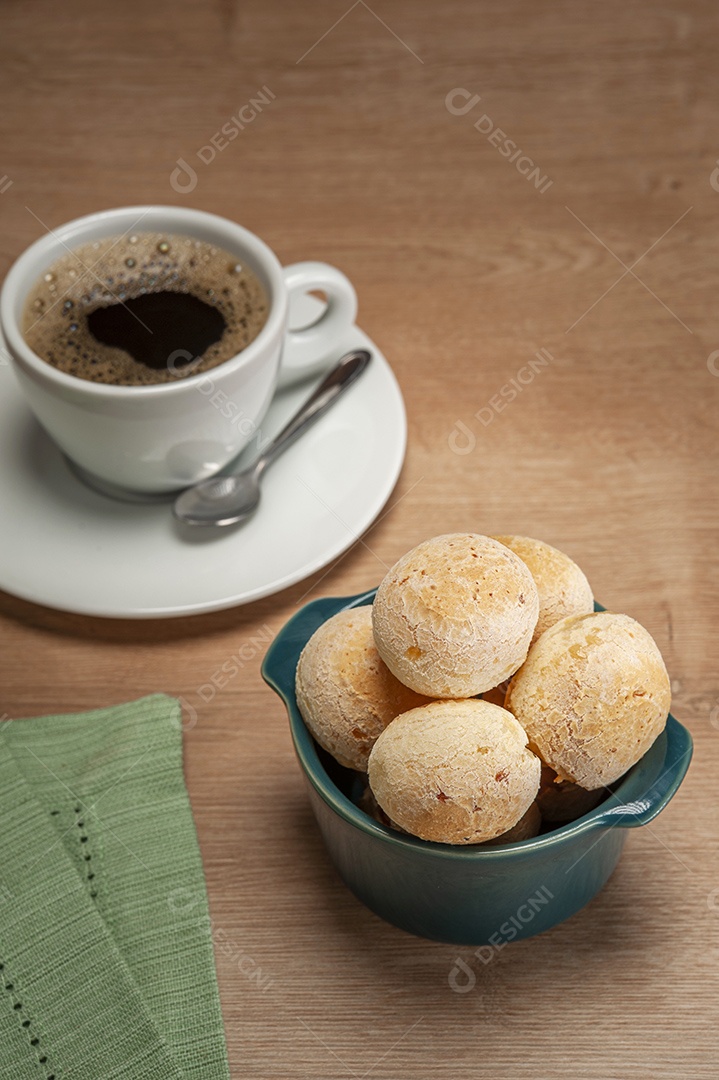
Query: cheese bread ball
column 527, row 826
column 344, row 691
column 561, row 801
column 457, row 772
column 563, row 589
column 455, row 615
column 592, row 696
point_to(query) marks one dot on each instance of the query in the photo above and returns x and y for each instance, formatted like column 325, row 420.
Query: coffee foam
column 118, row 268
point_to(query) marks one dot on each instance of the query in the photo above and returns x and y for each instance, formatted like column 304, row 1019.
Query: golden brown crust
column 454, row 616
column 345, row 693
column 457, row 772
column 592, row 695
column 562, row 586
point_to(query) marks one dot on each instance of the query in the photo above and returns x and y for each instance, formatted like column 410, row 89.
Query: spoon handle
column 339, row 379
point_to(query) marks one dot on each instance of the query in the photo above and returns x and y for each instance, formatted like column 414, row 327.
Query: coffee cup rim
column 46, row 249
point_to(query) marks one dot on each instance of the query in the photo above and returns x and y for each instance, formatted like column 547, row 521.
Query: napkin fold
column 106, row 959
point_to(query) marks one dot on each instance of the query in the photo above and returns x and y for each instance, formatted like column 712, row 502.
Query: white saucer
column 67, row 547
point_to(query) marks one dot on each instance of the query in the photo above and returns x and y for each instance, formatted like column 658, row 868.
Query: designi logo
column 183, row 178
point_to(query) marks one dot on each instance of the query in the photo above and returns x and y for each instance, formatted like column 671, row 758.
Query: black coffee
column 154, row 326
column 142, row 309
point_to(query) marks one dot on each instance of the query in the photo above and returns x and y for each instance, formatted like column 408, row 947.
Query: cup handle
column 308, row 351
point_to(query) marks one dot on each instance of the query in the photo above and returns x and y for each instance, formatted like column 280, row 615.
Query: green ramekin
column 467, row 895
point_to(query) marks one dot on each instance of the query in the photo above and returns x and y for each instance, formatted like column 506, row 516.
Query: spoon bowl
column 223, row 500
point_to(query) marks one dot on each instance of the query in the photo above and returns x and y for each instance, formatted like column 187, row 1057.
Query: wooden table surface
column 466, row 264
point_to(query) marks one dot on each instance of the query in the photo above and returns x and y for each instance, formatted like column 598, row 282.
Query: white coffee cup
column 163, row 437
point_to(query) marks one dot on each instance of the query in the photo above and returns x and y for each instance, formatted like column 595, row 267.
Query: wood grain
column 464, row 271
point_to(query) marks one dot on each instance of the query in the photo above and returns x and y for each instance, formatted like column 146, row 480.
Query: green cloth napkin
column 106, row 959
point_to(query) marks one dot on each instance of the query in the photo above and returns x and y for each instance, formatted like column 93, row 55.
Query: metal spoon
column 229, row 500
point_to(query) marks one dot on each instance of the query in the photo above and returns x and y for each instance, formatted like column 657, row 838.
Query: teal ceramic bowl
column 466, row 895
